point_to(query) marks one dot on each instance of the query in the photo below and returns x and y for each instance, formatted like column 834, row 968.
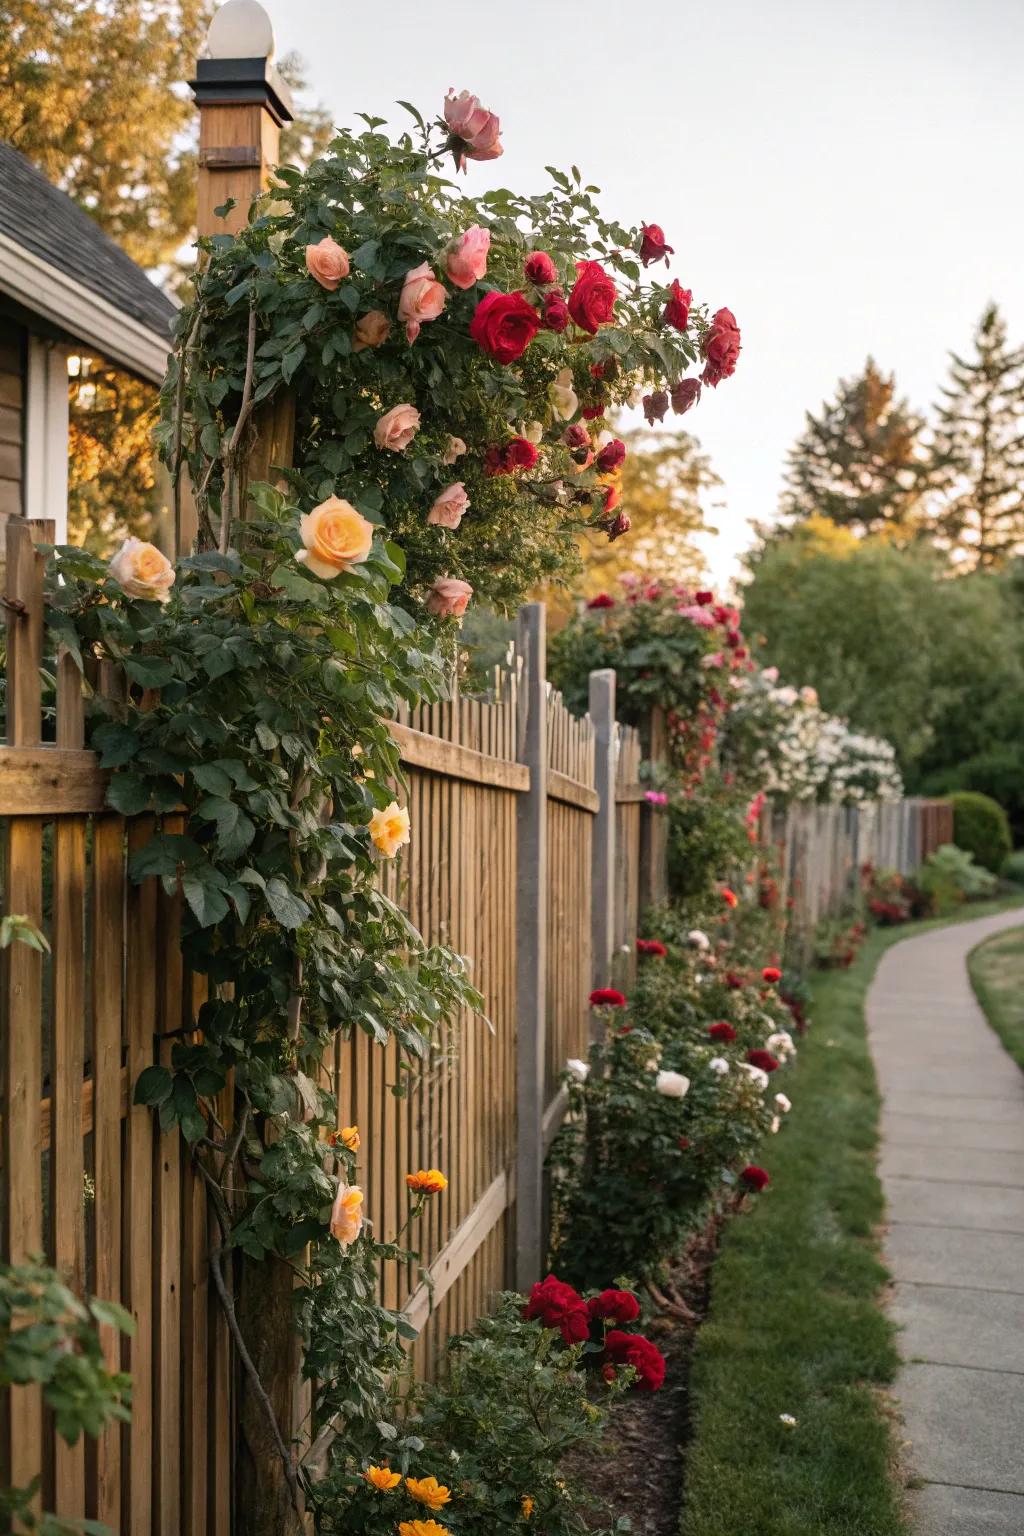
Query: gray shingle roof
column 51, row 225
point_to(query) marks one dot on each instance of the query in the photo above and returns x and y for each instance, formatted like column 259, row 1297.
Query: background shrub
column 981, row 827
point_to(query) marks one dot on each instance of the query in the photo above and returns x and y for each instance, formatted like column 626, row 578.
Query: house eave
column 82, row 315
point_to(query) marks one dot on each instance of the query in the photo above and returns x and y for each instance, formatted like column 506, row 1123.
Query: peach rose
column 449, row 597
column 142, row 571
column 466, row 257
column 327, row 262
column 347, row 1214
column 397, row 428
column 478, row 131
column 422, row 298
column 335, row 536
column 372, row 330
column 450, row 505
column 389, row 829
column 454, row 449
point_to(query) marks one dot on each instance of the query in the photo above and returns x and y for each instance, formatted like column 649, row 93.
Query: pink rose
column 397, row 428
column 475, row 132
column 466, row 257
column 372, row 330
column 449, row 597
column 423, row 298
column 327, row 262
column 448, row 508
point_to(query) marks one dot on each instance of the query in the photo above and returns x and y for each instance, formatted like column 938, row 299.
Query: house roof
column 45, row 221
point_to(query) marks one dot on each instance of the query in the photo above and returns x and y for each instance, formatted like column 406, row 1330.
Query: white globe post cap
column 240, row 29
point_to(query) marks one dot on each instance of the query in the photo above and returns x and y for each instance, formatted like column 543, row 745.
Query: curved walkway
column 952, row 1168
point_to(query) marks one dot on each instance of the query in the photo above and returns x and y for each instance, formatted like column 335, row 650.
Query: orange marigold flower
column 428, row 1491
column 382, row 1478
column 422, row 1528
column 427, row 1181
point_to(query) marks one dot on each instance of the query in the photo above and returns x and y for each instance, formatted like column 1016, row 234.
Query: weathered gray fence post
column 531, row 948
column 602, row 715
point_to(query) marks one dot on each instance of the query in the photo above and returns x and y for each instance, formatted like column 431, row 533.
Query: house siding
column 12, row 417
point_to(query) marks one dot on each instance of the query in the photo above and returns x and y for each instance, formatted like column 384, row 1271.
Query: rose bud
column 652, row 245
column 611, row 456
column 576, row 436
column 540, row 269
column 655, row 406
column 684, row 395
column 556, row 313
column 592, row 412
column 621, row 525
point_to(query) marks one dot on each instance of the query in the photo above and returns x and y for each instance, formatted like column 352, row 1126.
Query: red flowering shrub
column 602, row 600
column 633, row 1349
column 607, row 997
column 554, row 1304
column 755, row 1178
column 763, row 1059
column 722, row 1031
column 614, row 1306
column 651, row 947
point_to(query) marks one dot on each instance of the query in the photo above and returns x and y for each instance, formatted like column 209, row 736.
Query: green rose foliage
column 707, row 839
column 387, row 203
column 496, row 1428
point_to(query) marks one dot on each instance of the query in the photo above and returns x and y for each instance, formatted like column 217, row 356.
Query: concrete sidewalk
column 952, row 1167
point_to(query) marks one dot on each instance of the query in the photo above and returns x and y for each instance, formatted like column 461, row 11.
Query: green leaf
column 289, row 909
column 154, row 1086
column 116, row 743
column 127, row 794
column 208, row 903
column 148, row 671
column 211, row 778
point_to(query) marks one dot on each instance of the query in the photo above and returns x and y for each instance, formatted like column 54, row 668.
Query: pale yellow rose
column 533, row 431
column 347, row 1214
column 562, row 398
column 327, row 262
column 336, row 536
column 389, row 829
column 454, row 449
column 397, row 428
column 142, row 571
column 372, row 330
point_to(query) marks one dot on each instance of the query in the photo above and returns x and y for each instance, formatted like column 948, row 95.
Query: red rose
column 540, row 269
column 729, row 897
column 652, row 244
column 612, row 497
column 720, row 347
column 592, row 300
column 494, row 462
column 602, row 600
column 651, row 947
column 771, row 974
column 645, row 1358
column 763, row 1059
column 556, row 313
column 592, row 412
column 504, row 325
column 520, row 453
column 655, row 406
column 611, row 456
column 556, row 1305
column 684, row 1143
column 576, row 436
column 754, row 1177
column 722, row 1031
column 622, row 524
column 614, row 1307
column 607, row 997
column 685, row 394
column 677, row 310
column 705, row 598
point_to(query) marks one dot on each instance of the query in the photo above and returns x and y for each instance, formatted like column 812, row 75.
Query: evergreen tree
column 980, row 442
column 860, row 462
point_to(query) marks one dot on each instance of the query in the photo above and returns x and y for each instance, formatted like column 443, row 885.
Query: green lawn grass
column 796, row 1324
column 997, row 976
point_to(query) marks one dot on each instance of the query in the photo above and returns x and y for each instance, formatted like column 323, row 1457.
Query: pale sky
column 847, row 178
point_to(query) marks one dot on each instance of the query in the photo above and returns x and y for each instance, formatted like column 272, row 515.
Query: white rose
column 781, row 1044
column 755, row 1074
column 776, row 1122
column 562, row 397
column 577, row 1069
column 142, row 571
column 718, row 1064
column 533, row 431
column 783, row 1103
column 672, row 1084
column 698, row 940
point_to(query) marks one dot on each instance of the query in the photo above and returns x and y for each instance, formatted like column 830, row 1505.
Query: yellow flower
column 335, row 536
column 347, row 1214
column 382, row 1478
column 349, row 1137
column 422, row 1528
column 527, row 1506
column 389, row 829
column 428, row 1181
column 428, row 1491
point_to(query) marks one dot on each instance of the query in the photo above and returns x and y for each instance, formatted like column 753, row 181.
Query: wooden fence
column 534, row 852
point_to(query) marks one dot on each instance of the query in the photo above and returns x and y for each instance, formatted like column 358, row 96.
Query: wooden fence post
column 654, row 823
column 531, row 948
column 602, row 715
